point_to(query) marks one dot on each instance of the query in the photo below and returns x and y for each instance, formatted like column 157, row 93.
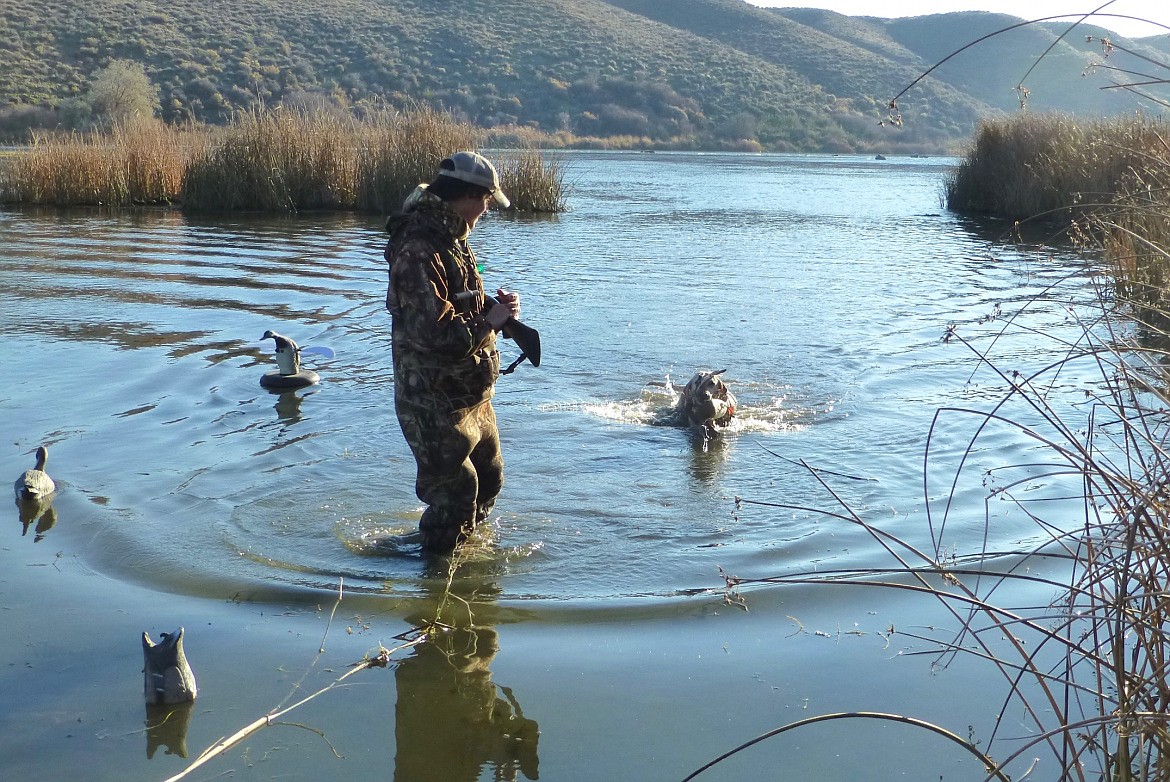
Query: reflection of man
column 450, row 721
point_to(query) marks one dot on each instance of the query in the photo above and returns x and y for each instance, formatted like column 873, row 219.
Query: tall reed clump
column 276, row 161
column 137, row 162
column 156, row 158
column 1134, row 233
column 533, row 178
column 1031, row 166
column 399, row 150
column 1088, row 673
column 280, row 160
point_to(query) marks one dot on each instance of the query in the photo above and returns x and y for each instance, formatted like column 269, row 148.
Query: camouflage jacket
column 445, row 353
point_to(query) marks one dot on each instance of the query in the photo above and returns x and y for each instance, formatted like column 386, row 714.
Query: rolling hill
column 700, row 73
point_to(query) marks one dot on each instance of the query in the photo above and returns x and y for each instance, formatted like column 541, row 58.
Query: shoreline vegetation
column 1105, row 183
column 280, row 160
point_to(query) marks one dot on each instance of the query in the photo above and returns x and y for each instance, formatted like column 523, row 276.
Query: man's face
column 471, row 208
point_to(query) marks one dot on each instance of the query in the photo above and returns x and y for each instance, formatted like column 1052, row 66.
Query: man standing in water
column 444, row 345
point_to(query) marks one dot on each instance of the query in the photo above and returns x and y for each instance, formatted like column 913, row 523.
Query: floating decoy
column 288, row 359
column 168, row 675
column 35, row 484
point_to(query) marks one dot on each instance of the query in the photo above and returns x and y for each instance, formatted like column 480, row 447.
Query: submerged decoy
column 35, row 484
column 168, row 675
column 288, row 358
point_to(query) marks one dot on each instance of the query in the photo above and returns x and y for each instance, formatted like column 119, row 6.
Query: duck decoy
column 168, row 676
column 35, row 484
column 288, row 359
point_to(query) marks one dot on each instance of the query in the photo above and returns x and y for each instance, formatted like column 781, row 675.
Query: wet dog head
column 706, row 401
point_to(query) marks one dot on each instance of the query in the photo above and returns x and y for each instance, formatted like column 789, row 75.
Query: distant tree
column 122, row 90
column 75, row 113
column 18, row 122
column 741, row 125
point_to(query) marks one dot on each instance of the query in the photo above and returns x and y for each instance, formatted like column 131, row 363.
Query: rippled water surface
column 189, row 494
column 822, row 285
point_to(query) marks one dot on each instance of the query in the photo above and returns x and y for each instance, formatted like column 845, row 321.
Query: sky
column 1155, row 10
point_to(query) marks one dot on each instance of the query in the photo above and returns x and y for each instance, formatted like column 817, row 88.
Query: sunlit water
column 823, row 285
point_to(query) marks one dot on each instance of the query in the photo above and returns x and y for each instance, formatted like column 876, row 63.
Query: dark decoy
column 168, row 675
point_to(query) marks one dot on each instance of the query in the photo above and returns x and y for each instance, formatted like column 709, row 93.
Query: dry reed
column 399, row 150
column 1133, row 234
column 1031, row 166
column 282, row 160
column 137, row 162
column 533, row 179
column 276, row 161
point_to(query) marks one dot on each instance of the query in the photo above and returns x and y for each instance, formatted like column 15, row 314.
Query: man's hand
column 508, row 306
column 511, row 299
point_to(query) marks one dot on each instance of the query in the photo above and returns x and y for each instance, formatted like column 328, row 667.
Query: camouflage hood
column 430, row 213
column 443, row 346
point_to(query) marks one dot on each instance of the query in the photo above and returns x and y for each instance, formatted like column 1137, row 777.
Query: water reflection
column 708, row 455
column 38, row 511
column 451, row 720
column 288, row 406
column 166, row 726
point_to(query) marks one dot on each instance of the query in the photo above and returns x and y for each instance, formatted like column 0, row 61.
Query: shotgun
column 525, row 337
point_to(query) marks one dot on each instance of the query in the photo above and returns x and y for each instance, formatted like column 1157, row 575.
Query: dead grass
column 1033, row 166
column 281, row 160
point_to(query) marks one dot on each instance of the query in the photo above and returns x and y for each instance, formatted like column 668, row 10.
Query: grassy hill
column 689, row 72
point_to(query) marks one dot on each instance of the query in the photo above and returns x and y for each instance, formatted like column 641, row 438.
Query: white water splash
column 761, row 408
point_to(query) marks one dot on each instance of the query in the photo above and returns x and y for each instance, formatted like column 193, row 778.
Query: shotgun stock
column 525, row 337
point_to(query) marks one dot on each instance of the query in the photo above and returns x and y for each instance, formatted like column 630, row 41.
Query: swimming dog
column 706, row 402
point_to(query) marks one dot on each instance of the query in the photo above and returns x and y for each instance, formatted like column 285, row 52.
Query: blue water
column 823, row 285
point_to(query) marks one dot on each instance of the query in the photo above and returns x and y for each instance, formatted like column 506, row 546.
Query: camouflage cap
column 475, row 168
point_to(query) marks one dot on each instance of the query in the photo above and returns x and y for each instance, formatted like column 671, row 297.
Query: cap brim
column 501, row 199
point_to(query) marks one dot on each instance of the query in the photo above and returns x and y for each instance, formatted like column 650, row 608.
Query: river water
column 823, row 285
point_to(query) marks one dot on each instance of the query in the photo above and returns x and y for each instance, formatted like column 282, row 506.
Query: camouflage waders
column 460, row 469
